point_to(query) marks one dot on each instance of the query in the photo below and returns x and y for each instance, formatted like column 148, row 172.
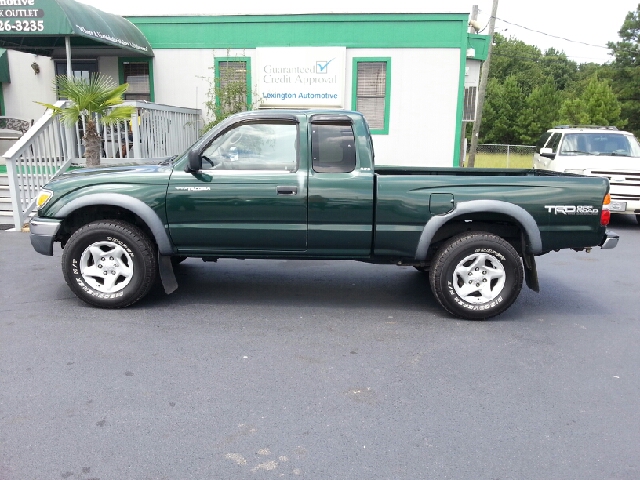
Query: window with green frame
column 138, row 73
column 371, row 93
column 233, row 84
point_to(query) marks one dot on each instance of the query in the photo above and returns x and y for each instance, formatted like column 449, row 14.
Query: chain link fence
column 493, row 155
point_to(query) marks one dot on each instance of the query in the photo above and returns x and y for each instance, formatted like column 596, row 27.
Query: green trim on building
column 455, row 161
column 387, row 94
column 5, row 77
column 326, row 30
column 123, row 60
column 480, row 45
column 2, row 109
column 248, row 74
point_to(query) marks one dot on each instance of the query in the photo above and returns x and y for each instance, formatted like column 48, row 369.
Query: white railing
column 49, row 147
column 33, row 161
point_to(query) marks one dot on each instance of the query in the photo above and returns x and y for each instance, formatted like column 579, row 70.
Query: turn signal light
column 605, row 217
column 607, row 199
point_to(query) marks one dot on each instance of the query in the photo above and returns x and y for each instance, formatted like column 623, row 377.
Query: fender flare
column 141, row 209
column 518, row 213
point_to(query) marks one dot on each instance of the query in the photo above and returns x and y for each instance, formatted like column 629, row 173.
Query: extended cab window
column 254, row 146
column 333, row 148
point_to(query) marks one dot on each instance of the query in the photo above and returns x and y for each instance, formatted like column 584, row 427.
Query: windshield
column 614, row 144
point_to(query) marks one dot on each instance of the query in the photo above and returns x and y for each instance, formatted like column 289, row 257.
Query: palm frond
column 118, row 114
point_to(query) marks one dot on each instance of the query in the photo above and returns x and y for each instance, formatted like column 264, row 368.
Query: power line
column 550, row 35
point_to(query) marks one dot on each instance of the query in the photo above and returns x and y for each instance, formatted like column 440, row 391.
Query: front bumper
column 43, row 234
column 610, row 240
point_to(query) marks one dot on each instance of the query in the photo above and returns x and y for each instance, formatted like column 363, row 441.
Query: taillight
column 605, row 217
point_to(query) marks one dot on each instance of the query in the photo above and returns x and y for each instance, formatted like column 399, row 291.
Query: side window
column 543, row 139
column 254, row 146
column 554, row 141
column 333, row 148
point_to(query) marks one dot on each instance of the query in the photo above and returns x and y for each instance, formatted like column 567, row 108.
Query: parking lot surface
column 291, row 369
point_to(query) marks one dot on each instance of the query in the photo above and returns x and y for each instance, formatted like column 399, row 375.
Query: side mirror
column 547, row 153
column 194, row 162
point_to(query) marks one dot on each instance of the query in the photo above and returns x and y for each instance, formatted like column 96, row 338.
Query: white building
column 412, row 75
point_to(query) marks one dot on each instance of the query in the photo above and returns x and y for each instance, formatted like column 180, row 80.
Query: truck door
column 340, row 192
column 251, row 194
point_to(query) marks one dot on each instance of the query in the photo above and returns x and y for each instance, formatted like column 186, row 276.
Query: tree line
column 530, row 91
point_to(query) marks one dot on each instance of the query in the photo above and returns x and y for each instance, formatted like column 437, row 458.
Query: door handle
column 287, row 190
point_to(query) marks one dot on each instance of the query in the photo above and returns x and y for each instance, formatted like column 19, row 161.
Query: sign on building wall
column 301, row 76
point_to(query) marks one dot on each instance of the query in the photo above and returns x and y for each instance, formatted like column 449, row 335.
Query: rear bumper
column 43, row 234
column 610, row 240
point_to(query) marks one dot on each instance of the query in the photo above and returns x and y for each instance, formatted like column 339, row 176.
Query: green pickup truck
column 302, row 185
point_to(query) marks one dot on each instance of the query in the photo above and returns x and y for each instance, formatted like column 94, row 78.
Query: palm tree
column 99, row 95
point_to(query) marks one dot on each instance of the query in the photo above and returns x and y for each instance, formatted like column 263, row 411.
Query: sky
column 573, row 20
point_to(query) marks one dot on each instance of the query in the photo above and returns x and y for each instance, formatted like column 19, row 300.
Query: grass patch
column 500, row 160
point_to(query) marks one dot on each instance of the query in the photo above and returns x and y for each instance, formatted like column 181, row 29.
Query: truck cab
column 269, row 183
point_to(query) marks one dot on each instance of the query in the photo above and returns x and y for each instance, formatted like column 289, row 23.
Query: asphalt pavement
column 321, row 370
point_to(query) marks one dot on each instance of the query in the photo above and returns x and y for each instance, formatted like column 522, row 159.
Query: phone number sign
column 22, row 26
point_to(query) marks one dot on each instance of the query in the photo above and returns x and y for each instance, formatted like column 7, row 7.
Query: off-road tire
column 127, row 271
column 476, row 275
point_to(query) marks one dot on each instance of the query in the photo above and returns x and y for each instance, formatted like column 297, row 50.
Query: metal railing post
column 135, row 129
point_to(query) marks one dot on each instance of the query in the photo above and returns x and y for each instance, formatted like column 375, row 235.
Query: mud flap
column 167, row 276
column 531, row 272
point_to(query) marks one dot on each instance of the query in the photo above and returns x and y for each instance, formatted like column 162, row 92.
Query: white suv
column 596, row 151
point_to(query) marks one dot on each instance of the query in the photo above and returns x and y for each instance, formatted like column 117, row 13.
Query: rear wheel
column 638, row 219
column 476, row 275
column 109, row 264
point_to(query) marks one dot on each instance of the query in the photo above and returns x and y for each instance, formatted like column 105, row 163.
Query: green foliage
column 503, row 105
column 553, row 89
column 540, row 112
column 225, row 99
column 597, row 105
column 626, row 69
column 99, row 95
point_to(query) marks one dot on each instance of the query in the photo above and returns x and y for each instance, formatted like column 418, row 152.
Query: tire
column 109, row 264
column 638, row 218
column 476, row 275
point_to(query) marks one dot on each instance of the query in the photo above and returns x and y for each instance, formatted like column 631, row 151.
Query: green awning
column 4, row 67
column 41, row 28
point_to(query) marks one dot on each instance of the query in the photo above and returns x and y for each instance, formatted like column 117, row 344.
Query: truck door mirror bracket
column 194, row 162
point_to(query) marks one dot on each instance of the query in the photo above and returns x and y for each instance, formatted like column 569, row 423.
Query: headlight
column 43, row 197
column 576, row 171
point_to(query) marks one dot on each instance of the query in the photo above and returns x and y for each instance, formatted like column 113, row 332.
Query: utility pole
column 482, row 89
column 463, row 130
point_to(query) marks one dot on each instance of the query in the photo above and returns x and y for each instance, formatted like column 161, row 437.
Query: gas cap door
column 440, row 203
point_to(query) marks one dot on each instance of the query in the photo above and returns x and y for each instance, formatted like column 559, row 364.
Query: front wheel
column 476, row 275
column 109, row 264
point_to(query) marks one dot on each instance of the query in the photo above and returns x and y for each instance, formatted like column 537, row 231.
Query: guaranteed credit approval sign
column 301, row 76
